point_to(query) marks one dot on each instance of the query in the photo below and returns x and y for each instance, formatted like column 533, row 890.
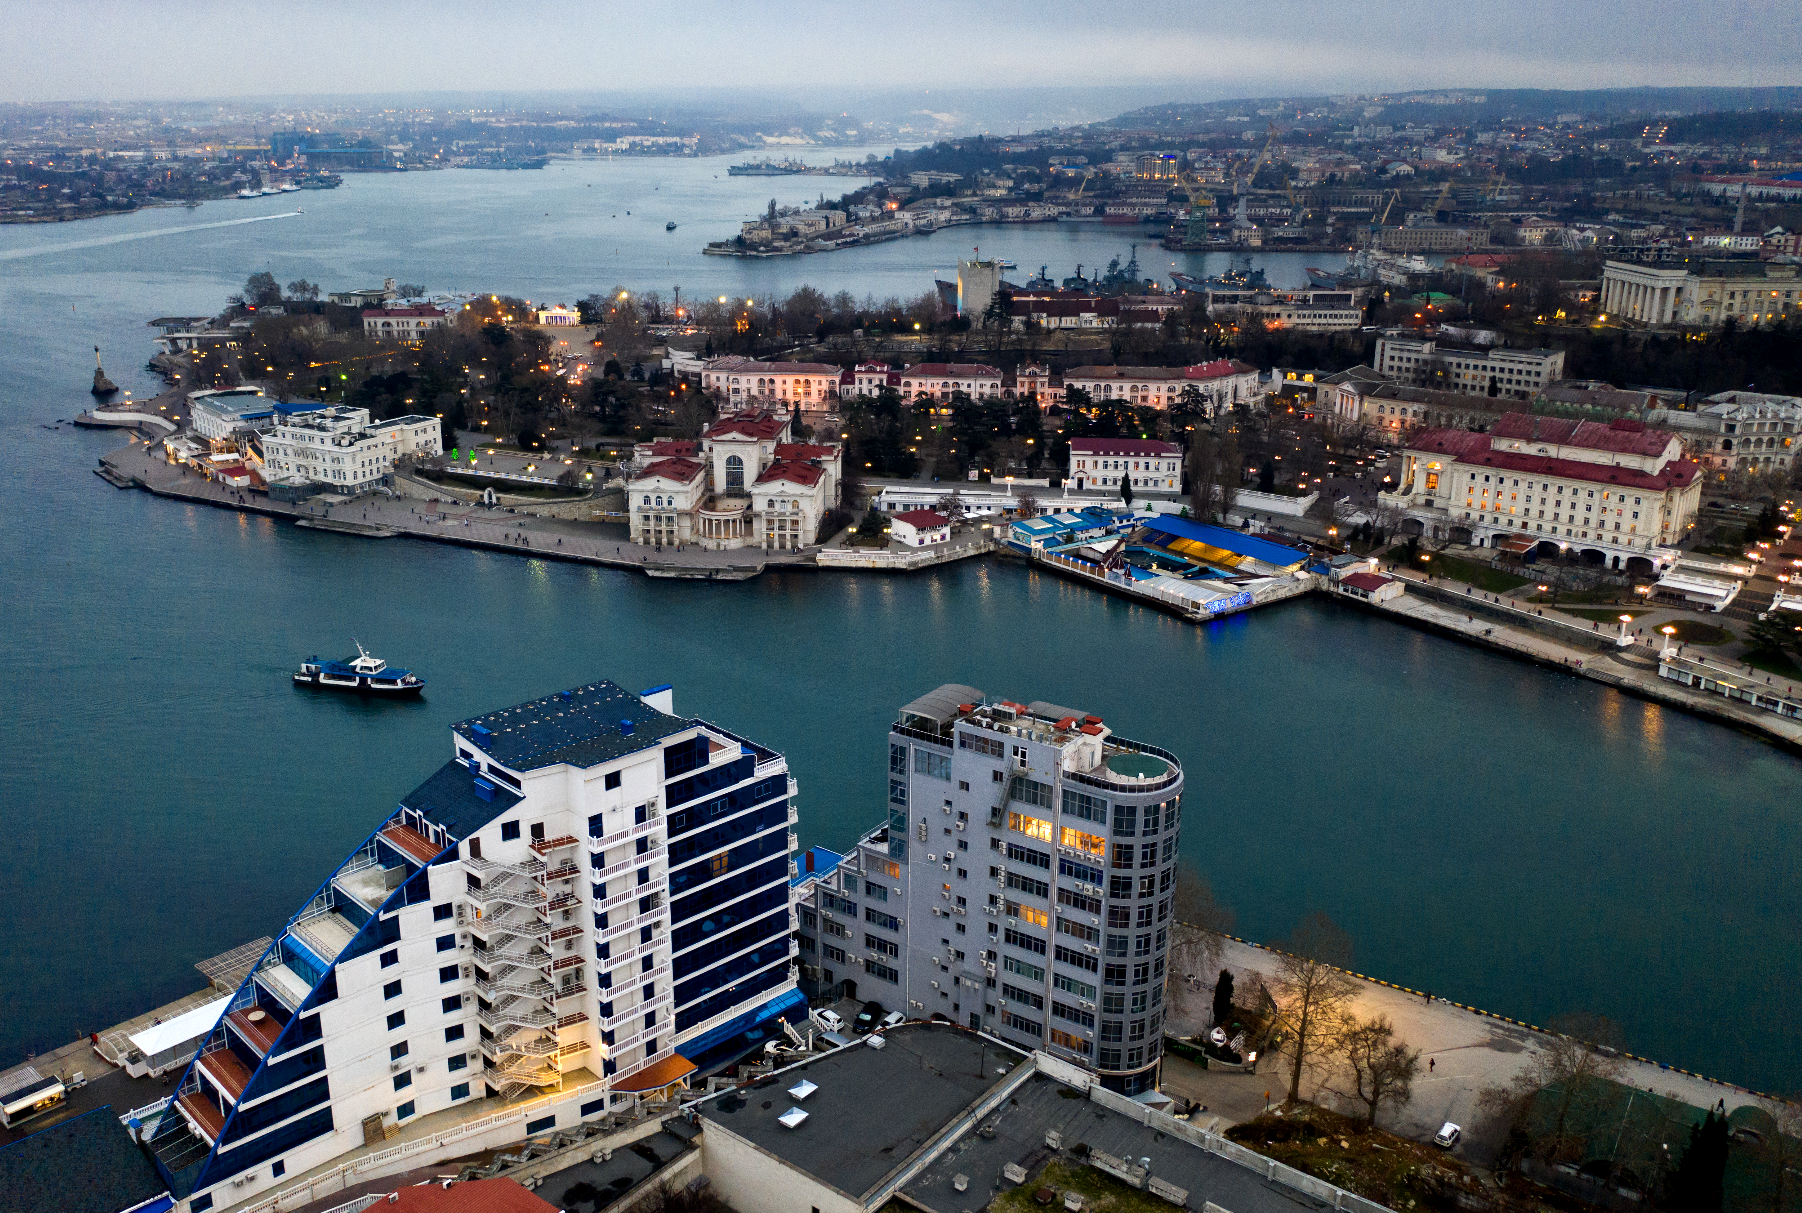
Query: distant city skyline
column 105, row 50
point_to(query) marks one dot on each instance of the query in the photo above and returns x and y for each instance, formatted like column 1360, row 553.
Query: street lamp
column 1670, row 636
column 1624, row 640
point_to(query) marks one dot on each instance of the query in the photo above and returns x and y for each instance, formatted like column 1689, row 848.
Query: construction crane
column 1201, row 203
column 1444, row 197
column 1240, row 184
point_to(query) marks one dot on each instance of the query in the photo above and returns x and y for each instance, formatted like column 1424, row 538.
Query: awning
column 188, row 1026
column 941, row 705
column 657, row 1075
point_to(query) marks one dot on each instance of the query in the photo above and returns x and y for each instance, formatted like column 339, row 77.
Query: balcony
column 256, row 1027
column 369, row 884
column 509, row 1013
column 544, row 846
column 411, row 842
column 226, row 1072
column 202, row 1116
column 484, row 867
column 520, row 981
column 324, row 935
column 565, row 871
column 284, row 985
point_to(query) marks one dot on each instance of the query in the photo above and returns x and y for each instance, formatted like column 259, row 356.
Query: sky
column 75, row 50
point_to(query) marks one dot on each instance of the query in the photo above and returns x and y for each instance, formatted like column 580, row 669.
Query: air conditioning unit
column 472, row 1055
column 419, row 1069
column 462, row 938
column 469, row 970
column 935, row 984
column 395, row 1067
column 1091, row 949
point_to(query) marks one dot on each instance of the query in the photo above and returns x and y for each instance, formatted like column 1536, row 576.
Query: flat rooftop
column 580, row 726
column 1042, row 1105
column 874, row 1108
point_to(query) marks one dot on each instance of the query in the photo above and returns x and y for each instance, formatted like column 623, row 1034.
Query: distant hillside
column 1496, row 105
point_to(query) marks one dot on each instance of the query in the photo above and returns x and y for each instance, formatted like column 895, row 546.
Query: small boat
column 288, row 187
column 363, row 673
column 250, row 193
column 670, row 226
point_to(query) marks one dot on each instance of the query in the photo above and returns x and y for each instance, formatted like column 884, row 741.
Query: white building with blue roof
column 589, row 901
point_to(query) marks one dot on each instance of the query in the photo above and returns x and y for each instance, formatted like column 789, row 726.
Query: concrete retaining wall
column 1600, row 640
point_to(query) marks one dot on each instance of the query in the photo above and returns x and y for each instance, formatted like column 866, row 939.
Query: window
column 460, row 1091
column 454, row 1032
column 1032, row 827
column 1031, row 972
column 447, row 973
column 936, row 765
column 404, row 1111
column 612, row 780
column 1021, row 940
column 441, row 912
column 1037, row 859
column 391, row 957
column 447, row 943
column 1071, row 956
column 399, row 1019
column 878, row 969
column 279, row 1169
column 1088, row 844
column 1126, row 819
column 1017, row 994
column 391, row 990
column 1078, row 871
column 509, row 831
column 876, row 943
column 403, row 1080
column 1070, row 985
column 397, row 1051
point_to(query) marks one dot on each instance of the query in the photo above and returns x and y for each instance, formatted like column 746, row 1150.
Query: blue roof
column 582, row 726
column 818, row 861
column 451, row 799
column 1236, row 542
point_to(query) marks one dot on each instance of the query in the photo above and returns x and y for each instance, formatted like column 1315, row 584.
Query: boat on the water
column 363, row 673
column 1233, row 279
column 670, row 226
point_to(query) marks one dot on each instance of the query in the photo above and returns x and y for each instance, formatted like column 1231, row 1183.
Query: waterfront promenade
column 1471, row 1049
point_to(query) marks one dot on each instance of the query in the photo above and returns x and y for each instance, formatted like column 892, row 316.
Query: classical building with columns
column 1702, row 294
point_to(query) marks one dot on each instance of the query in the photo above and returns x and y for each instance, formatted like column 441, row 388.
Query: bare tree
column 1230, row 470
column 1383, row 1067
column 1198, row 936
column 1312, row 992
column 1573, row 1063
column 950, row 507
column 1204, row 466
column 1027, row 504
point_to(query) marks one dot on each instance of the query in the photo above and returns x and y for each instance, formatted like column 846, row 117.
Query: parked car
column 832, row 1021
column 892, row 1019
column 868, row 1018
column 1448, row 1135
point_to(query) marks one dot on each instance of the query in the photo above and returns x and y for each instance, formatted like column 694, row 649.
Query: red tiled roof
column 1678, row 473
column 791, row 472
column 471, row 1196
column 1369, row 582
column 675, row 448
column 1623, row 437
column 752, row 366
column 758, row 426
column 922, row 520
column 658, row 1074
column 803, row 451
column 401, row 311
column 1219, row 368
column 680, row 470
column 1122, row 446
column 1083, row 305
column 951, row 370
column 1456, row 443
column 1124, row 372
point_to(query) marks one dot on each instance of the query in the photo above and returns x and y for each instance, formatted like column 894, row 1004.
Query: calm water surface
column 1501, row 835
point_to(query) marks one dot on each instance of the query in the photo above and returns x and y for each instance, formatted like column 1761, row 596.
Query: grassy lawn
column 1694, row 631
column 1495, row 581
column 1607, row 594
column 1102, row 1193
column 1773, row 663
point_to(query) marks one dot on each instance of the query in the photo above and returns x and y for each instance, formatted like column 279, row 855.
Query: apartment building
column 1617, row 494
column 1022, row 884
column 1476, row 370
column 585, row 903
column 742, row 382
column 938, row 380
column 1744, row 431
column 340, row 449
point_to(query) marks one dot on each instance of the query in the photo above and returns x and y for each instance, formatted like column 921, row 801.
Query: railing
column 768, row 767
column 501, row 1015
column 568, row 871
column 513, row 953
column 531, row 899
column 530, row 868
column 544, row 846
column 535, row 987
column 920, row 735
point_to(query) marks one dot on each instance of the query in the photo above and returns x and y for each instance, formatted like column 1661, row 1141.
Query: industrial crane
column 1201, row 204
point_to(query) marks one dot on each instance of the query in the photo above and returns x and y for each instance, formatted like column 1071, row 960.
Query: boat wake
column 101, row 241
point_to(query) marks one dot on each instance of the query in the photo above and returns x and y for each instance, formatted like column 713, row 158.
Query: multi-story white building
column 1022, row 884
column 1103, row 462
column 401, row 323
column 217, row 413
column 588, row 901
column 1415, row 361
column 938, row 380
column 1745, row 431
column 341, row 449
column 1157, row 387
column 869, row 378
column 746, row 486
column 1618, row 494
column 745, row 382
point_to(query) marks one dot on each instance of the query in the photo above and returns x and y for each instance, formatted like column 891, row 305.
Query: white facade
column 1104, row 462
column 663, row 501
column 1420, row 362
column 538, row 920
column 215, row 414
column 742, row 381
column 917, row 528
column 400, row 323
column 340, row 448
column 938, row 380
column 1158, row 387
column 1705, row 294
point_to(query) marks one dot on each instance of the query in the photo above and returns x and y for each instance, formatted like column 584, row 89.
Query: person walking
column 1431, row 1062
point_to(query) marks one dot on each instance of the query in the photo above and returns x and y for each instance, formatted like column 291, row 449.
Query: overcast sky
column 90, row 49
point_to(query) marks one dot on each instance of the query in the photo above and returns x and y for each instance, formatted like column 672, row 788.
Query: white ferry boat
column 363, row 673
